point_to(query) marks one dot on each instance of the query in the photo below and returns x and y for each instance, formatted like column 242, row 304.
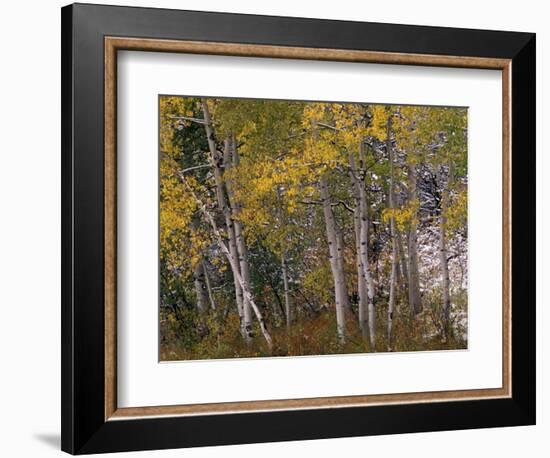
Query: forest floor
column 308, row 336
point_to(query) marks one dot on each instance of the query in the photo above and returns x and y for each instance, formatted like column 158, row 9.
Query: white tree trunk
column 445, row 282
column 208, row 287
column 391, row 304
column 342, row 269
column 336, row 262
column 231, row 159
column 215, row 160
column 288, row 312
column 245, row 273
column 444, row 276
column 415, row 301
column 200, row 287
column 361, row 285
column 366, row 266
column 404, row 269
column 233, row 262
column 367, row 317
column 198, row 273
column 393, row 277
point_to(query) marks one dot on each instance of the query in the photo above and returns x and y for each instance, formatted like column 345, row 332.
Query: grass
column 190, row 337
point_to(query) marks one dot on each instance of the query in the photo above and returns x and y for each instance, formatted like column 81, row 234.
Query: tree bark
column 366, row 266
column 404, row 269
column 367, row 317
column 233, row 262
column 242, row 251
column 341, row 268
column 288, row 312
column 231, row 159
column 200, row 287
column 393, row 277
column 198, row 274
column 224, row 208
column 208, row 286
column 336, row 261
column 415, row 301
column 362, row 304
column 444, row 277
column 445, row 282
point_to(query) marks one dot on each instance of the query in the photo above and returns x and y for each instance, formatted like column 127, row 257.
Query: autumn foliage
column 308, row 228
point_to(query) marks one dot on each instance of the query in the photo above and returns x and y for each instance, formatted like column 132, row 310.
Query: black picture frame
column 84, row 428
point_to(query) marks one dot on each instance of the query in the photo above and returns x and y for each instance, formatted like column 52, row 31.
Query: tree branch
column 311, row 202
column 196, row 167
column 345, row 205
column 327, row 126
column 188, row 118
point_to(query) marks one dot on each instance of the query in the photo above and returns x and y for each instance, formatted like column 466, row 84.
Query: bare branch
column 196, row 167
column 188, row 118
column 311, row 202
column 327, row 126
column 345, row 205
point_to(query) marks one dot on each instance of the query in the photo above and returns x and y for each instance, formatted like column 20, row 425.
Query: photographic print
column 293, row 228
column 337, row 206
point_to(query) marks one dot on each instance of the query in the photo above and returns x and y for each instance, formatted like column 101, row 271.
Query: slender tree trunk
column 415, row 301
column 398, row 271
column 284, row 266
column 393, row 277
column 288, row 312
column 336, row 262
column 361, row 285
column 200, row 287
column 277, row 305
column 208, row 287
column 403, row 259
column 444, row 277
column 231, row 159
column 198, row 275
column 245, row 273
column 445, row 282
column 391, row 303
column 336, row 247
column 366, row 266
column 223, row 206
column 367, row 317
column 340, row 248
column 310, row 306
column 233, row 262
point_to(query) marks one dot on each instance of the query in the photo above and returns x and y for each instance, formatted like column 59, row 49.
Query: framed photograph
column 281, row 228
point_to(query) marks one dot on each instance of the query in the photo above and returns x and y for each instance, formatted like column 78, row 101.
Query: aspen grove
column 311, row 228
